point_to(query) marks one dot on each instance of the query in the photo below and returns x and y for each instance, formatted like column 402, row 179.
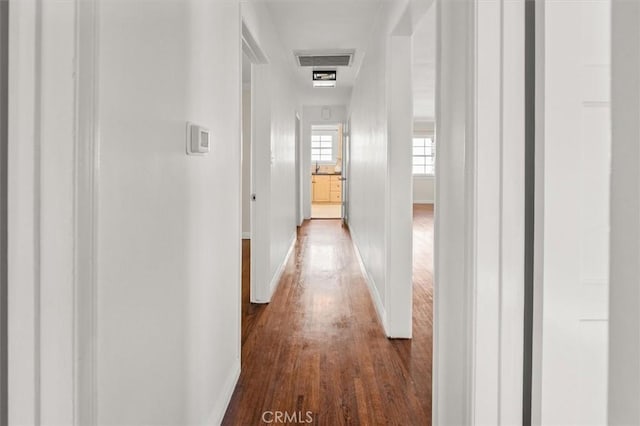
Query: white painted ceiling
column 325, row 25
column 424, row 67
column 314, row 25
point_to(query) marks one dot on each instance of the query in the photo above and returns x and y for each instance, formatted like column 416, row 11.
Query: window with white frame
column 322, row 148
column 424, row 156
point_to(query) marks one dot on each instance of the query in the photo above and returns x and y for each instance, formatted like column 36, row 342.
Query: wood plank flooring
column 251, row 312
column 318, row 347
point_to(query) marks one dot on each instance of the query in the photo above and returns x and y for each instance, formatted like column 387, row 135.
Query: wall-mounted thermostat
column 198, row 140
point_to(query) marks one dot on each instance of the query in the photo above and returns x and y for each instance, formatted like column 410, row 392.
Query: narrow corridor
column 318, row 346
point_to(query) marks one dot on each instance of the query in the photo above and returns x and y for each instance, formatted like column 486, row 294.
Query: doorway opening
column 326, row 171
column 246, row 196
column 423, row 180
column 298, row 156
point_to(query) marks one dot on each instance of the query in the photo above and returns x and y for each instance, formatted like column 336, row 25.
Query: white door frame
column 306, row 162
column 571, row 220
column 260, row 291
column 22, row 215
column 4, row 87
column 479, row 213
column 298, row 172
column 87, row 191
column 50, row 145
column 346, row 153
column 624, row 291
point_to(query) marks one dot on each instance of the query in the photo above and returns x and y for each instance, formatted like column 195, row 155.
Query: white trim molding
column 87, row 163
column 453, row 262
column 23, row 265
column 479, row 213
column 42, row 217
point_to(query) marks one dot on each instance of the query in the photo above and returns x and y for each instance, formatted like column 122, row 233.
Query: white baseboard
column 276, row 277
column 221, row 405
column 422, row 201
column 246, row 235
column 373, row 290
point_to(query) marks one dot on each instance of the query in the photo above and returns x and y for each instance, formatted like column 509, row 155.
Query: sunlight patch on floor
column 326, row 211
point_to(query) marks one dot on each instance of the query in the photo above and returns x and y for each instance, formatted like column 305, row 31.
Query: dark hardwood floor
column 318, row 347
column 251, row 312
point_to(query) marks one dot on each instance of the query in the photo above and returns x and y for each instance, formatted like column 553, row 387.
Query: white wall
column 246, row 161
column 450, row 322
column 274, row 108
column 368, row 167
column 624, row 291
column 572, row 223
column 423, row 189
column 380, row 133
column 313, row 115
column 310, row 96
column 169, row 224
column 424, row 66
column 399, row 235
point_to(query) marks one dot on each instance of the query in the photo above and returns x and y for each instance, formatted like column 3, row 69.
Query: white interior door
column 572, row 214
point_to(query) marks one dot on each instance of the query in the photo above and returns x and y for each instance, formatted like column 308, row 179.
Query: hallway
column 140, row 141
column 319, row 347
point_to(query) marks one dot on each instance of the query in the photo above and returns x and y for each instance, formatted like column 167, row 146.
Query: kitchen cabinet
column 326, row 188
column 321, row 189
column 335, row 189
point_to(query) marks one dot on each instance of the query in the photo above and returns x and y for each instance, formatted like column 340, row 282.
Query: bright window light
column 321, row 83
column 322, row 148
column 424, row 156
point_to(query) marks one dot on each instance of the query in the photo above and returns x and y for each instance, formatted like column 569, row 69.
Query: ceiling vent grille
column 324, row 60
